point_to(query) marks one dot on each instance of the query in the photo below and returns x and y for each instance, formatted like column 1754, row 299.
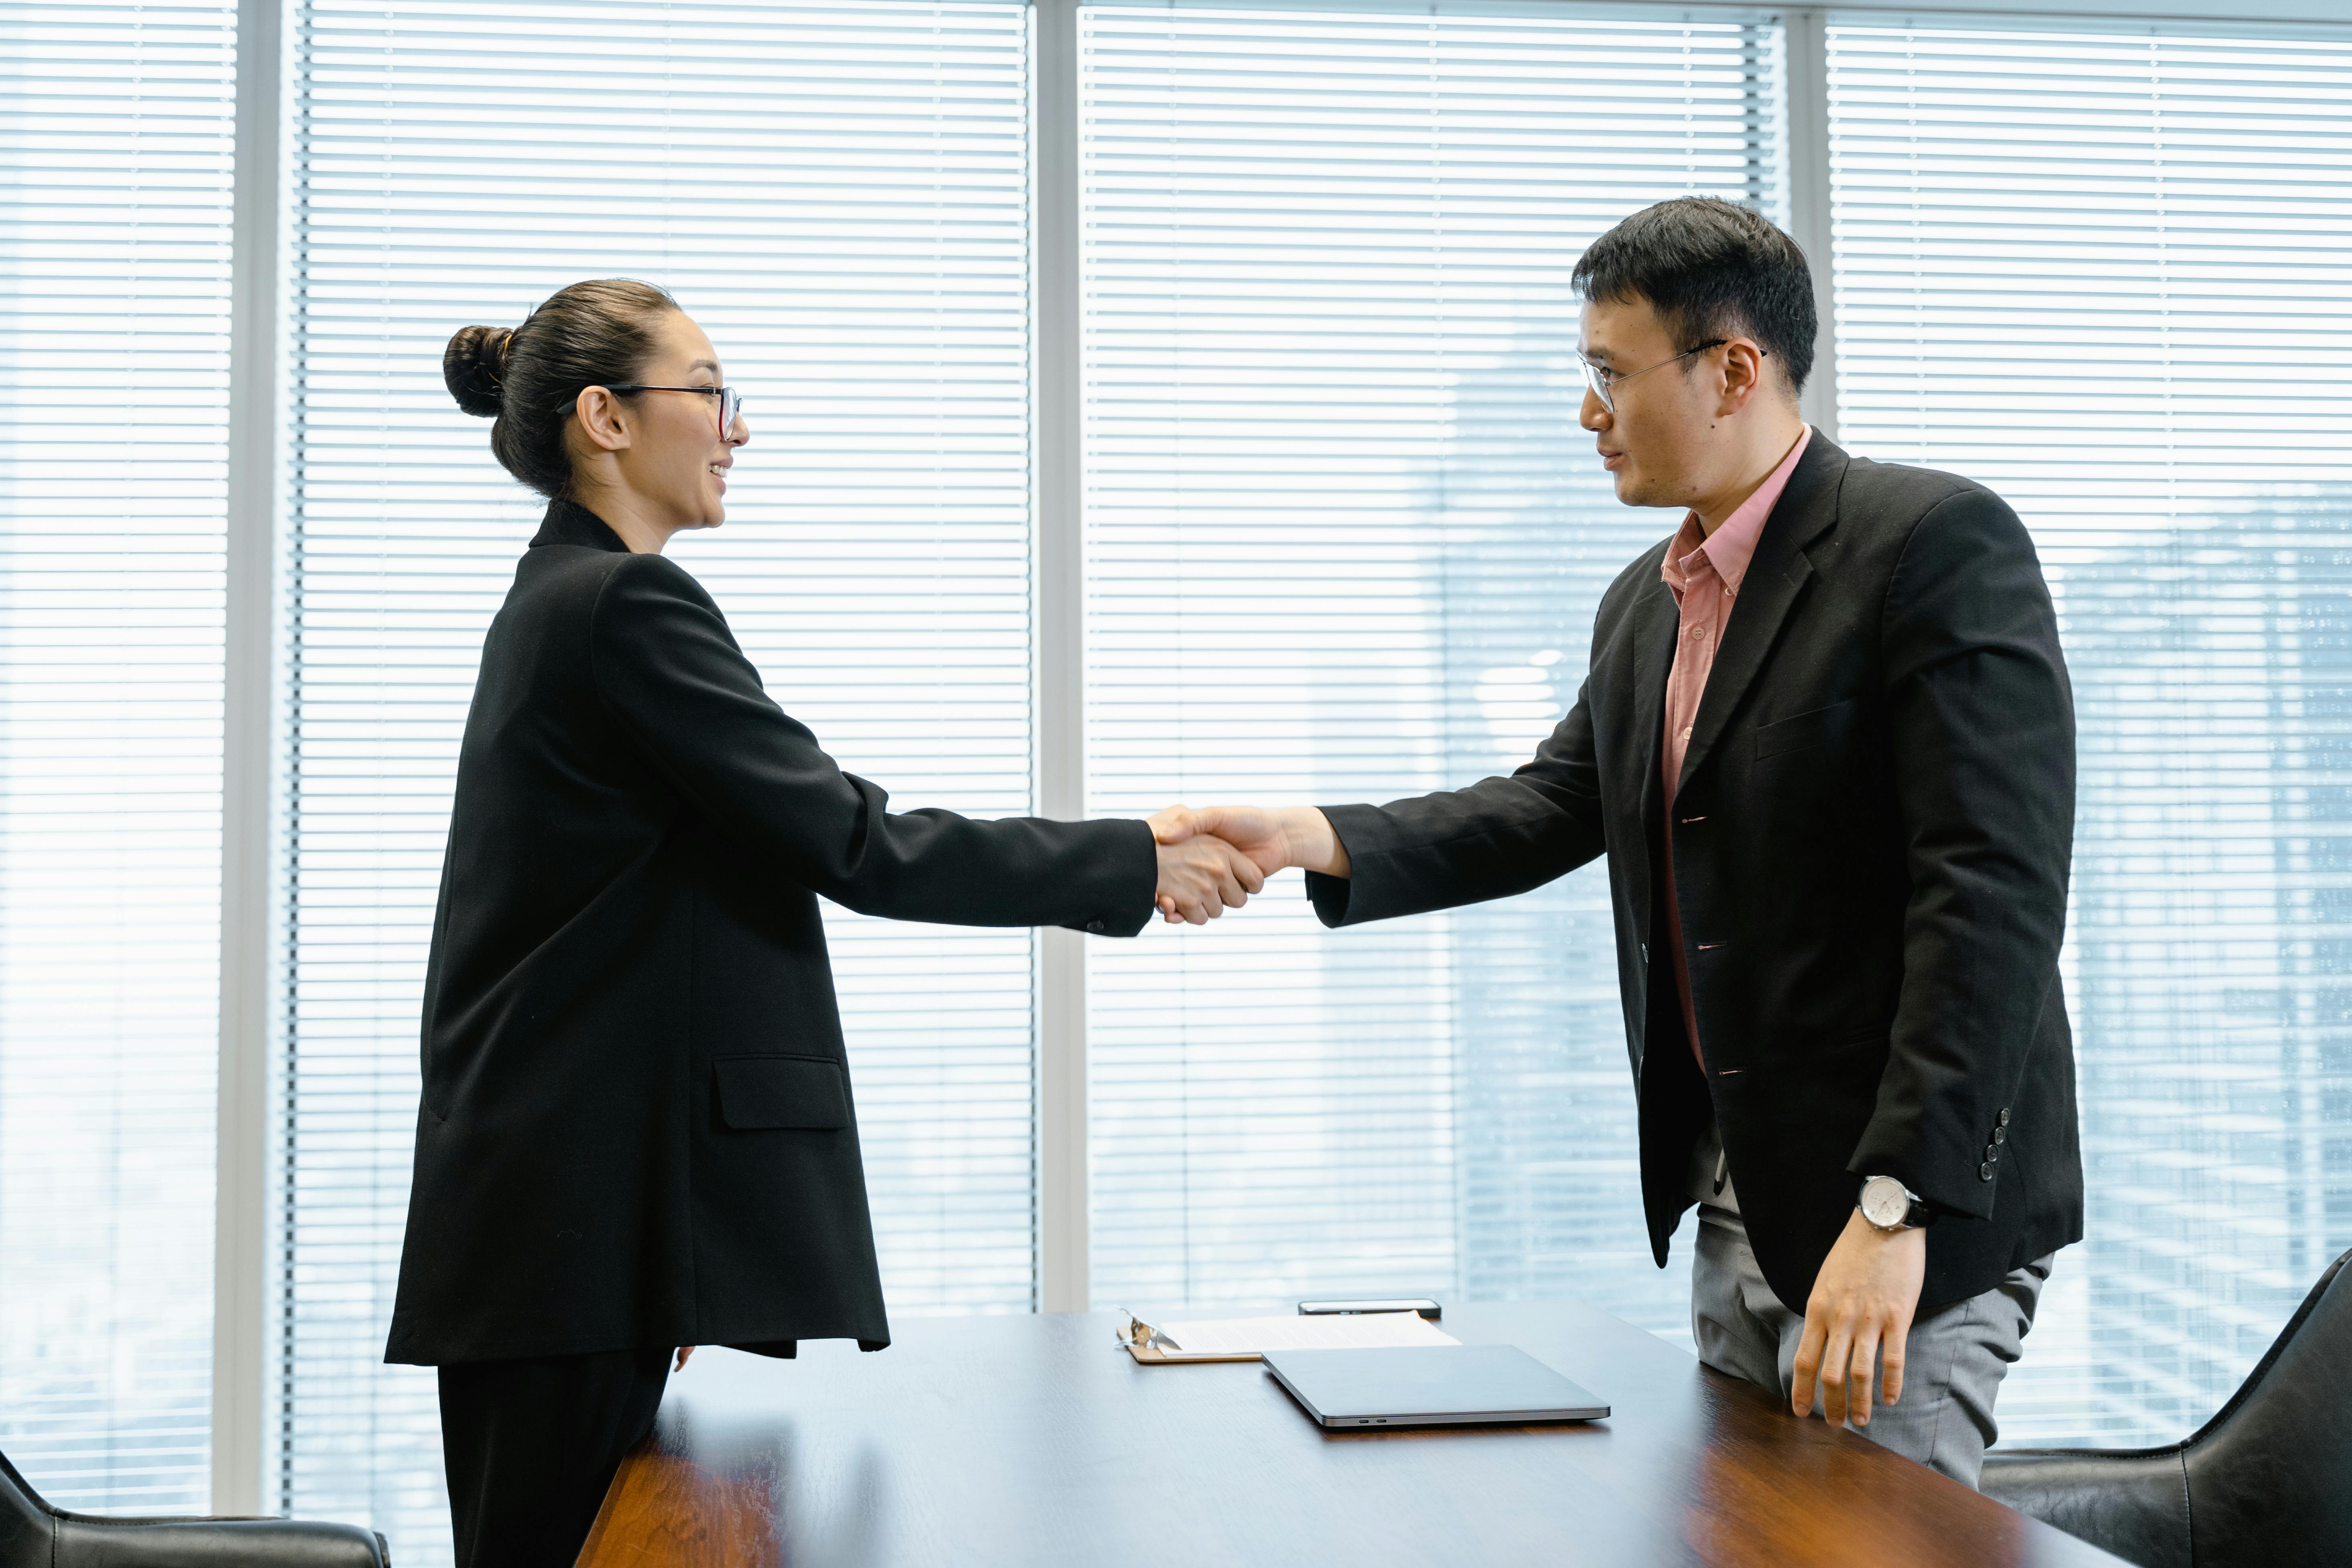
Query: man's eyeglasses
column 730, row 402
column 1604, row 382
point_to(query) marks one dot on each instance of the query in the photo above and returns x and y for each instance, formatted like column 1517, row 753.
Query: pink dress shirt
column 1703, row 571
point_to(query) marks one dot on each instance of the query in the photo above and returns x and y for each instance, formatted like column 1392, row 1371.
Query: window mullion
column 1059, row 633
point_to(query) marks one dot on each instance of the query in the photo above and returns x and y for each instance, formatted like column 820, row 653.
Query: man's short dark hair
column 1711, row 269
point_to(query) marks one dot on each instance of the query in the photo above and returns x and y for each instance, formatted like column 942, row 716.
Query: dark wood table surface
column 1035, row 1440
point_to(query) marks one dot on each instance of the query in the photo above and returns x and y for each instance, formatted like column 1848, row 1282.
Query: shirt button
column 1698, row 631
column 1687, row 732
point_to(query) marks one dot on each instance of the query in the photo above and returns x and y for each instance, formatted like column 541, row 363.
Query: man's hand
column 1274, row 837
column 1862, row 1301
column 1202, row 878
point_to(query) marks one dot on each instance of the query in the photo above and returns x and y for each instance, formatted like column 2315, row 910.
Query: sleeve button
column 2000, row 1134
column 1984, row 1172
column 2004, row 1116
column 1095, row 926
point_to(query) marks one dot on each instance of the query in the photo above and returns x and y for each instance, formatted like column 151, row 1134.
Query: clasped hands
column 1213, row 859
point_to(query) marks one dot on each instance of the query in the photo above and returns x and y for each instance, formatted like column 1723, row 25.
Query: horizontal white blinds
column 1344, row 541
column 2110, row 275
column 115, row 161
column 837, row 192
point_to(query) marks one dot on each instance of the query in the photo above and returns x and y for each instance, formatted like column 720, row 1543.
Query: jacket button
column 1095, row 926
column 1984, row 1172
column 2000, row 1134
column 2004, row 1116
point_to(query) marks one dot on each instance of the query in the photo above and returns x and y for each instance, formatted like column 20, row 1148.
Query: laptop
column 1430, row 1385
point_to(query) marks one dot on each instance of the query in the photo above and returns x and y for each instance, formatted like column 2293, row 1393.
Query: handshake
column 1212, row 859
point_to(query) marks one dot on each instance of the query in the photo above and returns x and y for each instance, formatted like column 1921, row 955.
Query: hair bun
column 471, row 366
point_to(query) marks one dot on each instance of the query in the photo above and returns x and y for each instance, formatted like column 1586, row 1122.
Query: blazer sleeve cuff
column 1359, row 896
column 1945, row 1177
column 1130, row 880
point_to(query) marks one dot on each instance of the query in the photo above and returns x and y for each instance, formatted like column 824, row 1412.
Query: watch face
column 1883, row 1202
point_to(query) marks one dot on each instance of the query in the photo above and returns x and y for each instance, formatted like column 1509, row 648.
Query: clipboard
column 1150, row 1344
column 1143, row 1343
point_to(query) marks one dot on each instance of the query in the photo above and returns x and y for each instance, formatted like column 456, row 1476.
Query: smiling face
column 655, row 462
column 677, row 457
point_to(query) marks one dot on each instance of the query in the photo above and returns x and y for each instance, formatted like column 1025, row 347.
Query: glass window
column 1344, row 542
column 2109, row 273
column 839, row 195
column 116, row 147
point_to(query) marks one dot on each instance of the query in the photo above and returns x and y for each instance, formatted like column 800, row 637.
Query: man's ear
column 602, row 419
column 1743, row 374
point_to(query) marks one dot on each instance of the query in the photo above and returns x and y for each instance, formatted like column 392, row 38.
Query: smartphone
column 1421, row 1304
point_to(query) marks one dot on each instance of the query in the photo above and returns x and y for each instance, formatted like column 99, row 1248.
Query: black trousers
column 530, row 1447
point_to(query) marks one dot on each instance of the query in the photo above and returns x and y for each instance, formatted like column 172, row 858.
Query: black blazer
column 637, row 1126
column 1871, row 840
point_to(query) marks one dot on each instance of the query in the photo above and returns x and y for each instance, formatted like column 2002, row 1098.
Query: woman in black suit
column 636, row 1130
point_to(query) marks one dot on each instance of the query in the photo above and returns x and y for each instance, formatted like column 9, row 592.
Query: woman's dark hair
column 596, row 334
column 1710, row 268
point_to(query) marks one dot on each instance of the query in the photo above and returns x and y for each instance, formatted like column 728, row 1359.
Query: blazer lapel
column 1776, row 576
column 1656, row 624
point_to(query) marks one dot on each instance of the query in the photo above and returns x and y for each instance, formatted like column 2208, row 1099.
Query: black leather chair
column 35, row 1535
column 2267, row 1483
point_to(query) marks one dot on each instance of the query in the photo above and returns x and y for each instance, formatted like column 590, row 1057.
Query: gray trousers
column 1953, row 1363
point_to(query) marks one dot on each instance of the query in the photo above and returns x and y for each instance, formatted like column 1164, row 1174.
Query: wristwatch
column 1890, row 1205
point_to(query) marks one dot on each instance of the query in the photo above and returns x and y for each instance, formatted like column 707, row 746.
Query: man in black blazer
column 1826, row 742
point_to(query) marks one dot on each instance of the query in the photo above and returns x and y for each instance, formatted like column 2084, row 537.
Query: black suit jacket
column 637, row 1126
column 1871, row 837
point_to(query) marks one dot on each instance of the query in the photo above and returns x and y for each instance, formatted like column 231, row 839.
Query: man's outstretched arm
column 1496, row 837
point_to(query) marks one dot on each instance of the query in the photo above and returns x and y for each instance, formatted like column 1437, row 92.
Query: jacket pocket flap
column 1804, row 730
column 782, row 1091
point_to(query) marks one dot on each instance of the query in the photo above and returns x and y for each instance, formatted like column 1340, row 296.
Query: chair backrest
column 2270, row 1476
column 27, row 1531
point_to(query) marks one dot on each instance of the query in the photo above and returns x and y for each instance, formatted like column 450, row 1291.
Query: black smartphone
column 1421, row 1304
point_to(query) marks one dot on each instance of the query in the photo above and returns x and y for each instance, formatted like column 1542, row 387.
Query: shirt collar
column 1729, row 548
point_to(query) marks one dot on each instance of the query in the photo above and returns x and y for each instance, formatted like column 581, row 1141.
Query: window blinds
column 2110, row 275
column 1344, row 542
column 838, row 194
column 115, row 161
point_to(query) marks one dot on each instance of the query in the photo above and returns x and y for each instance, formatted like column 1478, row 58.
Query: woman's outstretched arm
column 672, row 675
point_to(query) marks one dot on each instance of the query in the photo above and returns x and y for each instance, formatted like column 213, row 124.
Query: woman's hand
column 1274, row 837
column 683, row 1351
column 1203, row 878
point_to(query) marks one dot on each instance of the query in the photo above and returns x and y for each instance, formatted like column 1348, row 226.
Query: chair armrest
column 2133, row 1503
column 88, row 1542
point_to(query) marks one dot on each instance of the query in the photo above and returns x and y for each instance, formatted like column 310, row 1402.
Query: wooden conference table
column 1035, row 1440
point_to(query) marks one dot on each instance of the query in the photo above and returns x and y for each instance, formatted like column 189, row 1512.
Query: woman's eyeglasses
column 730, row 402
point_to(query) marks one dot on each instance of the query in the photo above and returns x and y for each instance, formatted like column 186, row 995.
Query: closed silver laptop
column 1431, row 1385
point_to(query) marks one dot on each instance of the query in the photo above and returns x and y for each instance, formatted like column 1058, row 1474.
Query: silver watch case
column 1886, row 1203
